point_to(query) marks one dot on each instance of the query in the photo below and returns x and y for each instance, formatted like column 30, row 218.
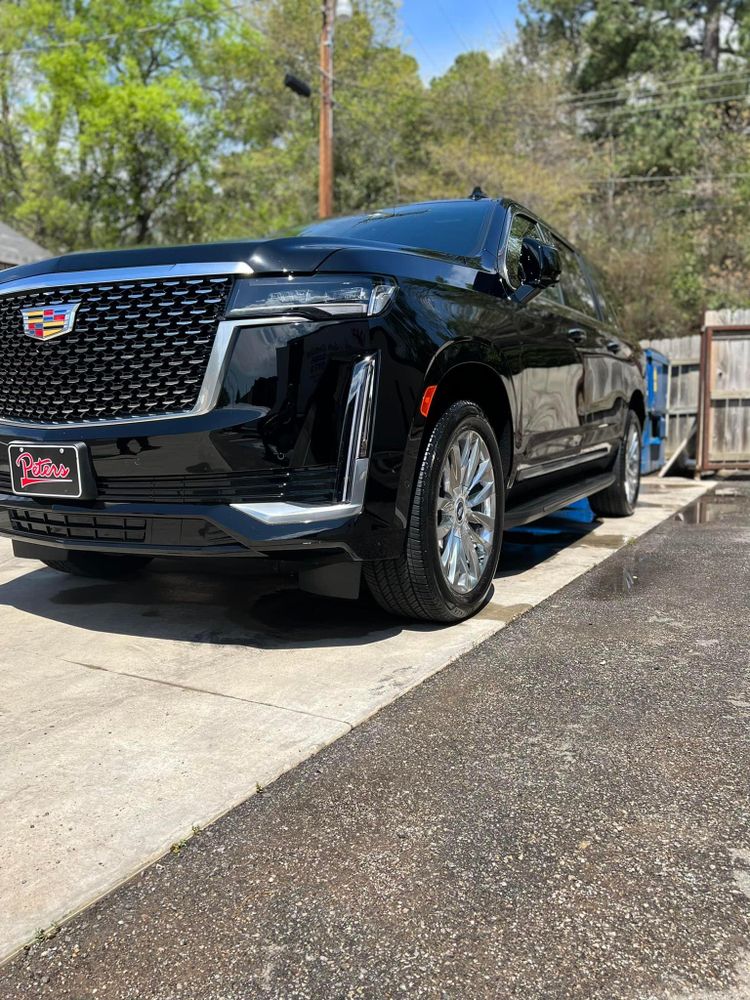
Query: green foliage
column 659, row 89
column 497, row 123
column 107, row 127
column 132, row 121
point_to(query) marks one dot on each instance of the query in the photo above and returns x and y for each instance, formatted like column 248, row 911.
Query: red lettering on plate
column 40, row 470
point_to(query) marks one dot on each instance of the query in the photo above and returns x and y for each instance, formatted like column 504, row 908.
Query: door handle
column 613, row 346
column 577, row 335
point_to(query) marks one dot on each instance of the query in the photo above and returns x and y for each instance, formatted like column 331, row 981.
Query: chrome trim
column 207, row 396
column 558, row 464
column 210, row 387
column 292, row 513
column 360, row 404
column 59, row 279
column 217, row 359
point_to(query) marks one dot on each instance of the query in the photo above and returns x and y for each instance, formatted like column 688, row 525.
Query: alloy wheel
column 466, row 509
column 632, row 463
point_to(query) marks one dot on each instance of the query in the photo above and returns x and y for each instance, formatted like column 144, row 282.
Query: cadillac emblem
column 48, row 321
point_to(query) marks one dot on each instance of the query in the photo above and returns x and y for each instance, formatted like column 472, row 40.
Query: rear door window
column 576, row 290
column 605, row 297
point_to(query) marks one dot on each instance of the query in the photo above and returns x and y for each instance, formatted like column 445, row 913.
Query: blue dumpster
column 655, row 431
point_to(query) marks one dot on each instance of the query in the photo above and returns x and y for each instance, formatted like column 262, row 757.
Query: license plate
column 50, row 470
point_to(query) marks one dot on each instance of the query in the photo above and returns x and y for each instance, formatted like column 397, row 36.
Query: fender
column 502, row 365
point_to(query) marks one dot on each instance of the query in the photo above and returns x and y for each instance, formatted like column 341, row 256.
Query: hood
column 300, row 254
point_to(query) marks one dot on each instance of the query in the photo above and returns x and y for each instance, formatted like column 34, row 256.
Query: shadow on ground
column 238, row 602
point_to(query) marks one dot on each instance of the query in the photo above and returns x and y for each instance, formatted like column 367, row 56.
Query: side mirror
column 540, row 263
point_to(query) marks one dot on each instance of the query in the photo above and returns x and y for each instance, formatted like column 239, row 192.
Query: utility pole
column 325, row 178
column 330, row 8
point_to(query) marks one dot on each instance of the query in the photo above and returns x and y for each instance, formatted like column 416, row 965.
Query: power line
column 464, row 44
column 683, row 78
column 640, row 94
column 707, row 85
column 671, row 178
column 493, row 15
column 676, row 106
column 424, row 50
column 466, row 101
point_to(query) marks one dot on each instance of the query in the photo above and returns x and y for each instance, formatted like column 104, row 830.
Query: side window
column 605, row 297
column 551, row 294
column 521, row 227
column 575, row 287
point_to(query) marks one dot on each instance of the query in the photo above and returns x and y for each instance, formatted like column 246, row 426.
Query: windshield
column 453, row 227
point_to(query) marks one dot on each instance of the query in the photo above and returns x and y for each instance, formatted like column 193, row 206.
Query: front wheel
column 455, row 524
column 619, row 499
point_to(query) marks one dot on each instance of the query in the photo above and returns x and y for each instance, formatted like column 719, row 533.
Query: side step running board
column 532, row 510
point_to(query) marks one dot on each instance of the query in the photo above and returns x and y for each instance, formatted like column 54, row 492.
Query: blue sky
column 435, row 31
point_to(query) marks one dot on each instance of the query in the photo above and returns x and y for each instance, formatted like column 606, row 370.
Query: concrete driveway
column 132, row 713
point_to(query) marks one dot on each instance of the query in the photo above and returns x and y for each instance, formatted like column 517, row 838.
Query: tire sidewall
column 460, row 416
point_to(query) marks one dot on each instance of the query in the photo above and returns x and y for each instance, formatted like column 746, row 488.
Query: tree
column 109, row 135
column 497, row 123
column 132, row 121
column 611, row 40
column 269, row 174
column 625, row 125
column 658, row 88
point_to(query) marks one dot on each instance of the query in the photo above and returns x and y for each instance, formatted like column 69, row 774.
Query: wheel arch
column 483, row 385
column 460, row 371
column 638, row 405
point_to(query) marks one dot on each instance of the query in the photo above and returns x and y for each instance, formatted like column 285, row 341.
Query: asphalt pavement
column 561, row 813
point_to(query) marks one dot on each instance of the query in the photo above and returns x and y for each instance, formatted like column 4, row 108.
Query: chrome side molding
column 590, row 454
column 360, row 406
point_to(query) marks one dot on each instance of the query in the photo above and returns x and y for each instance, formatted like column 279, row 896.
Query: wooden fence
column 684, row 355
column 709, row 392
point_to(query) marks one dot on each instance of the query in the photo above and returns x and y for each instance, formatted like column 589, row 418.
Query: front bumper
column 166, row 530
column 246, row 527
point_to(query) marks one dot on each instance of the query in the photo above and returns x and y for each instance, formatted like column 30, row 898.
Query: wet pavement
column 561, row 813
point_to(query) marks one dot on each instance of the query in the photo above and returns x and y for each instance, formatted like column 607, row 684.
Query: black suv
column 377, row 395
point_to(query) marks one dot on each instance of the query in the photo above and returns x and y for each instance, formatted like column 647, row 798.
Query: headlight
column 320, row 296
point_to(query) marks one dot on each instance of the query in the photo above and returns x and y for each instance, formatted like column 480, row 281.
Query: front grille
column 138, row 349
column 165, row 532
column 314, row 485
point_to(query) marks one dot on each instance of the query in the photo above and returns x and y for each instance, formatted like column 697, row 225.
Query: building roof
column 16, row 249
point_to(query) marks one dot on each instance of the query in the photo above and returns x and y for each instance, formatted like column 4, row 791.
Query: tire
column 620, row 499
column 99, row 565
column 444, row 521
